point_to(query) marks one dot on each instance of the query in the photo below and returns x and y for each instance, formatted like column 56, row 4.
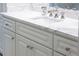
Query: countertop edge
column 42, row 27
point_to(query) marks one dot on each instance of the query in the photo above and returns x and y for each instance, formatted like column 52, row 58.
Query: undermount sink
column 47, row 19
column 41, row 17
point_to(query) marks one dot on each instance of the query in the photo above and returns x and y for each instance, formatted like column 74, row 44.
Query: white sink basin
column 47, row 19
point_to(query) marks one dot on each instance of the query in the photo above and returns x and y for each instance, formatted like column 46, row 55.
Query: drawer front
column 65, row 46
column 8, row 32
column 9, row 24
column 35, row 34
column 1, row 21
column 35, row 48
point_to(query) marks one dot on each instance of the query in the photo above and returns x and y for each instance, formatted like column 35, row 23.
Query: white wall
column 72, row 14
column 37, row 6
column 13, row 7
column 3, row 7
column 24, row 6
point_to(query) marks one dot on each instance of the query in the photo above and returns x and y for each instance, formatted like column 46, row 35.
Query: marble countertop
column 67, row 25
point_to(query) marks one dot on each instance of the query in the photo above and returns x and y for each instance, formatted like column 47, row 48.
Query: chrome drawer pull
column 67, row 49
column 28, row 46
column 12, row 38
column 7, row 24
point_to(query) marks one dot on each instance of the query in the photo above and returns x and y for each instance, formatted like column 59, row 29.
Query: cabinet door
column 1, row 35
column 9, row 24
column 26, row 47
column 66, row 46
column 22, row 46
column 9, row 40
column 1, row 39
column 39, row 50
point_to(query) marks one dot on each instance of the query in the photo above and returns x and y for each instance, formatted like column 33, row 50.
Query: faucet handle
column 50, row 13
column 56, row 15
column 44, row 10
column 62, row 15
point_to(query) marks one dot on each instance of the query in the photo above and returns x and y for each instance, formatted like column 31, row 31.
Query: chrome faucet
column 52, row 12
column 62, row 15
column 44, row 9
column 56, row 15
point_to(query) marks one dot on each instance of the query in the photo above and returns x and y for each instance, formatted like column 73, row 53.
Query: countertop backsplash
column 24, row 6
column 18, row 7
column 3, row 7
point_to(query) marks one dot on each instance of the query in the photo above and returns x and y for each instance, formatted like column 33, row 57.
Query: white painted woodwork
column 66, row 46
column 41, row 36
column 1, row 35
column 9, row 24
column 9, row 42
column 26, row 47
column 24, row 40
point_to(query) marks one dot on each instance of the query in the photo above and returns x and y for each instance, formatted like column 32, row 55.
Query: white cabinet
column 25, row 47
column 66, row 46
column 22, row 48
column 21, row 39
column 7, row 37
column 9, row 24
column 1, row 20
column 9, row 42
column 39, row 50
column 1, row 35
column 41, row 36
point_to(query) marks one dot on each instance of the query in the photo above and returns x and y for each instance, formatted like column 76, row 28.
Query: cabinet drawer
column 65, row 46
column 1, row 20
column 35, row 48
column 40, row 36
column 7, row 32
column 9, row 24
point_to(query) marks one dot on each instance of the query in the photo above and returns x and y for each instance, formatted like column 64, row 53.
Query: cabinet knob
column 12, row 38
column 28, row 46
column 67, row 49
column 7, row 24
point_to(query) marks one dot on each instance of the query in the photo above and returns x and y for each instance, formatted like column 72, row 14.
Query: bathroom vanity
column 22, row 35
